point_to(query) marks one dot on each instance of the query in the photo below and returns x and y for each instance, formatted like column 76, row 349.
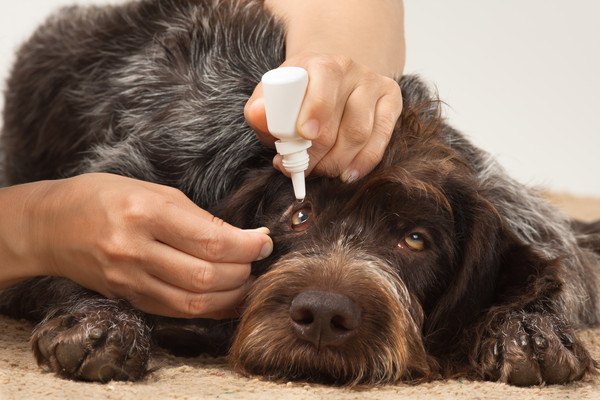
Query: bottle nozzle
column 284, row 89
column 299, row 185
column 295, row 161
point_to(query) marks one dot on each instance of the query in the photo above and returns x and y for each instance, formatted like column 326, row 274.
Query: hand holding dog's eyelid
column 143, row 235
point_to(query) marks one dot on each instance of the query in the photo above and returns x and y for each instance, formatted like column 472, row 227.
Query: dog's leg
column 533, row 340
column 82, row 335
column 530, row 338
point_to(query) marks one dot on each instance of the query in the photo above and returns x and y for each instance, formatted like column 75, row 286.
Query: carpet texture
column 206, row 378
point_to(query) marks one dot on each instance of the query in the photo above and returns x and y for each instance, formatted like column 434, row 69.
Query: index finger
column 209, row 238
column 256, row 117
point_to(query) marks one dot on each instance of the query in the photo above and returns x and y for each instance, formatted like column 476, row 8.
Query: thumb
column 243, row 245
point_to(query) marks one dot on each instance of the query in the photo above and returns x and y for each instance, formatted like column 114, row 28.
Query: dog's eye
column 414, row 240
column 300, row 219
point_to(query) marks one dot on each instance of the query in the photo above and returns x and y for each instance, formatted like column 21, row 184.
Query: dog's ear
column 491, row 266
column 420, row 131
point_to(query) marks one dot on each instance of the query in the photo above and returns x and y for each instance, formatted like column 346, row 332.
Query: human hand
column 146, row 243
column 349, row 112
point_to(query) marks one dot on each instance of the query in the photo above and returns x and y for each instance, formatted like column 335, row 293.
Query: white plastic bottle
column 283, row 90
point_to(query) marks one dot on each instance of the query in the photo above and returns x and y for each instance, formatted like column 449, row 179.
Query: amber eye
column 415, row 241
column 300, row 219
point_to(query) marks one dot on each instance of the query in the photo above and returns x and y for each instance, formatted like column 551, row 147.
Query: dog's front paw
column 99, row 345
column 527, row 349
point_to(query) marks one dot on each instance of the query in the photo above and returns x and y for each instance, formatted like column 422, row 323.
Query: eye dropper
column 283, row 90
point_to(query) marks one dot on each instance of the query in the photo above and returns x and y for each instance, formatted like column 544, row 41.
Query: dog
column 436, row 264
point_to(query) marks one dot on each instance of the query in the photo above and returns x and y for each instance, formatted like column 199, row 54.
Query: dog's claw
column 566, row 339
column 540, row 342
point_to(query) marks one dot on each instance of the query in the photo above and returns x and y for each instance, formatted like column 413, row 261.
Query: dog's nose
column 324, row 318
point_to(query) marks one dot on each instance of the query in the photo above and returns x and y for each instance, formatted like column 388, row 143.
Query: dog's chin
column 294, row 360
column 385, row 348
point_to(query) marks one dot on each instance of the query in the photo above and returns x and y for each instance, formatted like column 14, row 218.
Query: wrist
column 40, row 220
column 32, row 222
column 17, row 233
column 369, row 33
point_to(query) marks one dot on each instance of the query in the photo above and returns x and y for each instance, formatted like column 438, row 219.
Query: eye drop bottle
column 283, row 90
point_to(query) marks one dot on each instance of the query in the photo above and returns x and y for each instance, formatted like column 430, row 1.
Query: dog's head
column 369, row 278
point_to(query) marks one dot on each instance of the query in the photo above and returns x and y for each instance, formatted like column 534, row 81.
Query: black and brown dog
column 435, row 264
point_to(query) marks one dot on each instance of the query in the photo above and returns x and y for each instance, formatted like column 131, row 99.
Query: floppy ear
column 492, row 266
column 588, row 234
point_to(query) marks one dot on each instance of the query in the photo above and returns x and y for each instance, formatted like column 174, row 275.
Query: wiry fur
column 112, row 75
column 155, row 90
column 388, row 347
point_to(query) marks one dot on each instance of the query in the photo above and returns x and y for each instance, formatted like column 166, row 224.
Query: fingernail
column 310, row 129
column 266, row 250
column 349, row 176
column 263, row 229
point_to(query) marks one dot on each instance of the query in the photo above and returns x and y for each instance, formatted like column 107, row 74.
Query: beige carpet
column 206, row 378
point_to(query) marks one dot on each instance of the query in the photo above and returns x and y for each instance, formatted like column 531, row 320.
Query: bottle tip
column 299, row 185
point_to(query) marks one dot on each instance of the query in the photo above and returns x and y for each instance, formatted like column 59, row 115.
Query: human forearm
column 369, row 32
column 17, row 258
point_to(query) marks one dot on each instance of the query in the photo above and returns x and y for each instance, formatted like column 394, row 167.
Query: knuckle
column 174, row 192
column 344, row 62
column 391, row 84
column 330, row 66
column 115, row 248
column 372, row 157
column 203, row 277
column 385, row 124
column 213, row 246
column 324, row 143
column 218, row 221
column 134, row 208
column 166, row 205
column 356, row 135
column 394, row 89
column 198, row 304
